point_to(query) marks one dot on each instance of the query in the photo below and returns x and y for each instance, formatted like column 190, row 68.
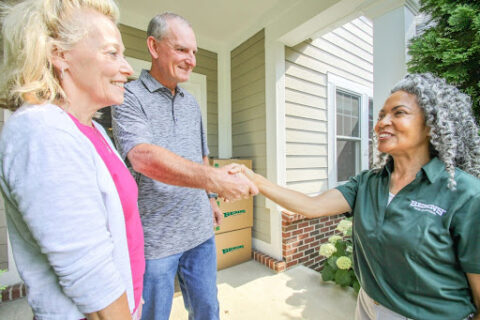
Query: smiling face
column 174, row 55
column 401, row 126
column 95, row 69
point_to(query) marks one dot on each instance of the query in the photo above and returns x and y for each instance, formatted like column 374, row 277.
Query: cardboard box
column 233, row 247
column 237, row 214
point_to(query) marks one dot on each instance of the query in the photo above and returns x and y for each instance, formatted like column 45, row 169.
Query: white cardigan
column 64, row 215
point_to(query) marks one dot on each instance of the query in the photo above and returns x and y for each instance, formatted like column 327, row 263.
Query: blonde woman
column 71, row 204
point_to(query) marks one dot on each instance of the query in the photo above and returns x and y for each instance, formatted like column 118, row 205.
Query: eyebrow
column 399, row 106
column 394, row 108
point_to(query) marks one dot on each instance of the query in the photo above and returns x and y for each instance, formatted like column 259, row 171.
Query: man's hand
column 217, row 213
column 231, row 186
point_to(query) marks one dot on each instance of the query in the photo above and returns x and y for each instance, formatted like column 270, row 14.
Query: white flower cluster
column 344, row 263
column 327, row 249
column 334, row 239
column 344, row 226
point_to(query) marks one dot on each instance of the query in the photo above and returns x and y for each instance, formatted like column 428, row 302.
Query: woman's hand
column 328, row 203
column 117, row 310
column 240, row 168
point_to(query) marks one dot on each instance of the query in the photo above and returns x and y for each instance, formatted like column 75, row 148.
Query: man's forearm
column 165, row 166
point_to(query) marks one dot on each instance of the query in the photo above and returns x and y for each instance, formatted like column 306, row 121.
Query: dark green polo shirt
column 412, row 255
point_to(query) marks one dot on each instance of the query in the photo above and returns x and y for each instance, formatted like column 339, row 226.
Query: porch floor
column 250, row 291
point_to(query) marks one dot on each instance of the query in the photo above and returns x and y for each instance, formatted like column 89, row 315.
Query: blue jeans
column 197, row 276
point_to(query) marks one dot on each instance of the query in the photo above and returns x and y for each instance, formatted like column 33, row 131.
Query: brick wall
column 302, row 238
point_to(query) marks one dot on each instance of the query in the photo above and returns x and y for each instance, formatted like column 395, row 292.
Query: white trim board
column 365, row 93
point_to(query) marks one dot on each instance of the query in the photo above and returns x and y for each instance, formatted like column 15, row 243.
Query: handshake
column 232, row 182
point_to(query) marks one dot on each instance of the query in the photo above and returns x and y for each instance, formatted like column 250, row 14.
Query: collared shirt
column 174, row 219
column 412, row 255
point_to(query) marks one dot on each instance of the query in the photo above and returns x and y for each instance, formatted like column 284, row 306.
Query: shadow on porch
column 250, row 291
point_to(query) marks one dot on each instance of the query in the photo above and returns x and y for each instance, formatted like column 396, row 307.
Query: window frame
column 365, row 93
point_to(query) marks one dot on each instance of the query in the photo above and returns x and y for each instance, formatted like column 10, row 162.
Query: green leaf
column 356, row 285
column 341, row 248
column 343, row 278
column 328, row 274
column 332, row 262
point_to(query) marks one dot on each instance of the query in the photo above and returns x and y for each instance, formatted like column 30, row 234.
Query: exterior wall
column 207, row 64
column 3, row 223
column 136, row 47
column 302, row 238
column 249, row 117
column 346, row 52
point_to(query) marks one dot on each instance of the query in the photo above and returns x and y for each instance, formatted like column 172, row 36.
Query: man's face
column 176, row 54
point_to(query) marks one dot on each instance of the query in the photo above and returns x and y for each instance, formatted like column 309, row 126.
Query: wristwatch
column 212, row 195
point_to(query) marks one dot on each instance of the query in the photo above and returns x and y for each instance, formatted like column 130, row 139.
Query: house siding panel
column 249, row 118
column 136, row 47
column 347, row 52
column 3, row 223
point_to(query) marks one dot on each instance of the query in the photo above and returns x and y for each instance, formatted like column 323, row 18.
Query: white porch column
column 391, row 33
column 224, row 105
column 275, row 136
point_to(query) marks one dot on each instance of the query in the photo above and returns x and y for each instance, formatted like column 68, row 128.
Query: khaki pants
column 369, row 309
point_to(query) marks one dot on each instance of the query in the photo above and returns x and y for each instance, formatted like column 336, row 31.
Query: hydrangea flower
column 327, row 249
column 344, row 263
column 334, row 239
column 344, row 226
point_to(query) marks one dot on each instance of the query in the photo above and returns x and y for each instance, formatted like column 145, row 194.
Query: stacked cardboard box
column 234, row 236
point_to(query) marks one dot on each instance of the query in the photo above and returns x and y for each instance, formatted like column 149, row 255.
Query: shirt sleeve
column 349, row 190
column 466, row 235
column 51, row 178
column 130, row 125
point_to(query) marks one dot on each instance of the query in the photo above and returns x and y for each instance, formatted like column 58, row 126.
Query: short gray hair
column 158, row 26
column 448, row 112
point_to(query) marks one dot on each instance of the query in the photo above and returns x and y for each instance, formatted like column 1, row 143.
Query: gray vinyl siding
column 3, row 224
column 346, row 52
column 249, row 118
column 207, row 64
column 136, row 47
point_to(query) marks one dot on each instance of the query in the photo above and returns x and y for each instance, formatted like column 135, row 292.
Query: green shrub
column 339, row 251
column 450, row 45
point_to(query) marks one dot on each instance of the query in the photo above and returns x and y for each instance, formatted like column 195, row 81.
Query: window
column 348, row 134
column 350, row 125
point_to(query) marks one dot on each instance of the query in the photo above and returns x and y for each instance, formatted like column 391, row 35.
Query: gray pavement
column 250, row 291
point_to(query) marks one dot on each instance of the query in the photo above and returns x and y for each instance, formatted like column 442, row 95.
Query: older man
column 159, row 130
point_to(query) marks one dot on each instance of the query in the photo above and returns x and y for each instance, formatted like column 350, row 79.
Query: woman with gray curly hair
column 416, row 215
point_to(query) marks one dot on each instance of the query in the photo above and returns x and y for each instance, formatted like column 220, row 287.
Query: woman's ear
column 58, row 61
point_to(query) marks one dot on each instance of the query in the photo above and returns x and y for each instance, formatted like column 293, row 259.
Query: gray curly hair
column 454, row 134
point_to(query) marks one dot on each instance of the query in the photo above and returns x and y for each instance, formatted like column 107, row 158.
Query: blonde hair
column 31, row 31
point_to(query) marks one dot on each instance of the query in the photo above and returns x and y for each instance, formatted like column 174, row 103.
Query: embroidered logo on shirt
column 433, row 209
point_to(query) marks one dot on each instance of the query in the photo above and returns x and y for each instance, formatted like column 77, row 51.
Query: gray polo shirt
column 174, row 219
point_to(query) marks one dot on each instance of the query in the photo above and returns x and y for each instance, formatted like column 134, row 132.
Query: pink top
column 128, row 193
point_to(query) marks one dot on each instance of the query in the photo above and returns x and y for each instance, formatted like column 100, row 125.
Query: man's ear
column 152, row 45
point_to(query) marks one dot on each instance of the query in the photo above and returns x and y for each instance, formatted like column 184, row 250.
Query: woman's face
column 96, row 69
column 401, row 126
